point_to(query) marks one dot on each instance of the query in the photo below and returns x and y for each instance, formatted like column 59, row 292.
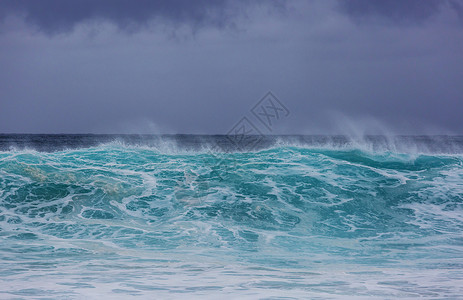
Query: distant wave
column 226, row 143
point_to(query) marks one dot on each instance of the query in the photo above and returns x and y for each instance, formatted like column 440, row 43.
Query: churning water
column 175, row 217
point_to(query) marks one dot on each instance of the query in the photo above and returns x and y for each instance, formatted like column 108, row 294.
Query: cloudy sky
column 122, row 66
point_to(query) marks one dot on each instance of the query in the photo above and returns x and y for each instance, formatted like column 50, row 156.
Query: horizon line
column 226, row 134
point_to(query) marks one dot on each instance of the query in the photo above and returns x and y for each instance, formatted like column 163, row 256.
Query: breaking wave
column 286, row 219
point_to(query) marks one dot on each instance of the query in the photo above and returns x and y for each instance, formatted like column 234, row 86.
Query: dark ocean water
column 92, row 216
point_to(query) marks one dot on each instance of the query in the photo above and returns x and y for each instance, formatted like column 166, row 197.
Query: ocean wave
column 280, row 207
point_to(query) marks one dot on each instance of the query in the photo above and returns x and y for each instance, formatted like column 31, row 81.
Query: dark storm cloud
column 397, row 63
column 404, row 12
column 55, row 16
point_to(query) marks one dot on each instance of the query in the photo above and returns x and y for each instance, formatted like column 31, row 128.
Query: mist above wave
column 233, row 143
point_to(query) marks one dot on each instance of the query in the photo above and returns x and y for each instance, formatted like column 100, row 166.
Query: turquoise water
column 116, row 220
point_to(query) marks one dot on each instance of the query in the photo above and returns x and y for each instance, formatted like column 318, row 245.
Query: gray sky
column 354, row 66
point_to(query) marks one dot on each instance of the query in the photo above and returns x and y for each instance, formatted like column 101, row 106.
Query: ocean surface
column 200, row 217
